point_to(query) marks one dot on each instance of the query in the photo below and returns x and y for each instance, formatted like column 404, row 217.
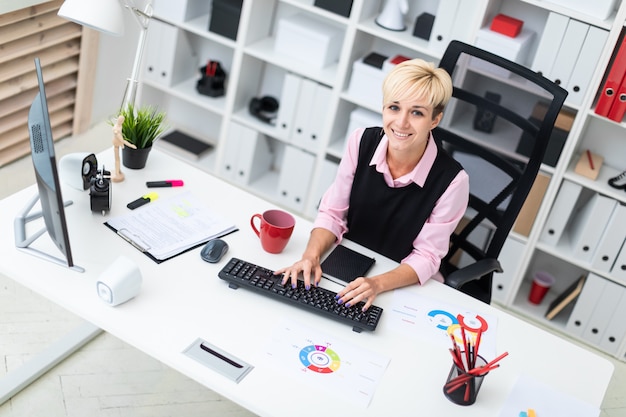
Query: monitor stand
column 23, row 242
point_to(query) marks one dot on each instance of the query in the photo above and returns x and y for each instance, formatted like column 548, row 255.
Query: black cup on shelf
column 212, row 80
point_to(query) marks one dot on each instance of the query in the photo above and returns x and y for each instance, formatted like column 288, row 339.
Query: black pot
column 135, row 158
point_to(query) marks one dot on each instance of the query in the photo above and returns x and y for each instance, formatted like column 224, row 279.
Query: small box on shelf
column 225, row 17
column 514, row 49
column 340, row 7
column 308, row 39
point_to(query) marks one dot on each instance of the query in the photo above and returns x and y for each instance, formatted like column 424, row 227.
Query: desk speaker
column 119, row 282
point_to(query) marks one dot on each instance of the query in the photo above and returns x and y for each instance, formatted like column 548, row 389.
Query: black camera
column 100, row 191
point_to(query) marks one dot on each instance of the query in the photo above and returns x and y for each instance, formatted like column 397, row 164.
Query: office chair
column 499, row 180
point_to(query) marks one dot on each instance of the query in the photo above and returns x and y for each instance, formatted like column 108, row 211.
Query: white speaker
column 77, row 169
column 119, row 282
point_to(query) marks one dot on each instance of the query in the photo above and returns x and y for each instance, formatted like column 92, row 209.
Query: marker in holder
column 212, row 80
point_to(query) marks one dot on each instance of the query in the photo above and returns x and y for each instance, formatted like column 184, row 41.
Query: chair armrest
column 472, row 272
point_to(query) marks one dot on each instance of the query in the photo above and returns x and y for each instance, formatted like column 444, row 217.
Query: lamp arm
column 143, row 18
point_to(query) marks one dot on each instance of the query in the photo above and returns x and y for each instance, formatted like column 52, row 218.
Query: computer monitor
column 48, row 185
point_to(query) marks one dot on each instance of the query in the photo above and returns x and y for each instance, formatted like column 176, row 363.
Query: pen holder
column 212, row 80
column 462, row 387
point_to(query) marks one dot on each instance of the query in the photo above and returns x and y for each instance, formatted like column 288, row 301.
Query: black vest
column 387, row 220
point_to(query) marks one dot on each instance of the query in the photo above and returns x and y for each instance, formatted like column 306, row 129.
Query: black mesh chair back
column 496, row 105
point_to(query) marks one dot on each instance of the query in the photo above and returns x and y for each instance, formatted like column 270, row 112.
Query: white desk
column 182, row 299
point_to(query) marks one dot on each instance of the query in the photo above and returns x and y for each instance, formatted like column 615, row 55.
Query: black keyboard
column 318, row 300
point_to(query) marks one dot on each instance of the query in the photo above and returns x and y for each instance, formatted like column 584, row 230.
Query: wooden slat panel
column 23, row 148
column 23, row 100
column 20, row 134
column 20, row 118
column 36, row 42
column 38, row 31
column 28, row 81
column 29, row 12
column 37, row 24
column 25, row 64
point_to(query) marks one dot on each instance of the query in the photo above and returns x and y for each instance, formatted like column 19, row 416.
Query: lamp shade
column 103, row 15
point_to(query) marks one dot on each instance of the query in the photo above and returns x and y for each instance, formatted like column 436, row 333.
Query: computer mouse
column 214, row 250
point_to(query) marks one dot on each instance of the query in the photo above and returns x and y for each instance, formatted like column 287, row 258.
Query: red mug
column 275, row 229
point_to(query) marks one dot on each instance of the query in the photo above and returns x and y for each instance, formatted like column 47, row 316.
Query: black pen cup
column 462, row 387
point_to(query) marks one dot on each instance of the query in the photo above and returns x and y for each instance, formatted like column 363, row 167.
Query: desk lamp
column 107, row 16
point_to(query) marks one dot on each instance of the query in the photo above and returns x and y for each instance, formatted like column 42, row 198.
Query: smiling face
column 407, row 124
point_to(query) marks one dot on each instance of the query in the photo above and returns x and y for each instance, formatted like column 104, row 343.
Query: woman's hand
column 361, row 289
column 308, row 266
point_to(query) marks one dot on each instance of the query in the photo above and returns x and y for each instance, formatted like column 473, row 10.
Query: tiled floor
column 108, row 378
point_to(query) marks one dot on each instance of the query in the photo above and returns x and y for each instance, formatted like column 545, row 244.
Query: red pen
column 166, row 183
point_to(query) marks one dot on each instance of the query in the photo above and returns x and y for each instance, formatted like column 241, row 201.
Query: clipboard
column 166, row 228
column 344, row 265
column 146, row 250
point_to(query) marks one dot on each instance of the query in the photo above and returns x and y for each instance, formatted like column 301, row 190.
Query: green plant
column 143, row 125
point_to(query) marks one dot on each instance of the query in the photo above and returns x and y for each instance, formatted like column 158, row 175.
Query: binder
column 588, row 224
column 560, row 213
column 618, row 108
column 611, row 240
column 441, row 34
column 319, row 116
column 304, row 109
column 616, row 327
column 586, row 64
column 568, row 52
column 613, row 80
column 295, row 176
column 618, row 270
column 602, row 313
column 586, row 303
column 549, row 44
column 288, row 104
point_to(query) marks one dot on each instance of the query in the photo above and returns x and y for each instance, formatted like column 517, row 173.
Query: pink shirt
column 431, row 244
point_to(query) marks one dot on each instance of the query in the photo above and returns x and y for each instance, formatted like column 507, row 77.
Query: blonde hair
column 418, row 78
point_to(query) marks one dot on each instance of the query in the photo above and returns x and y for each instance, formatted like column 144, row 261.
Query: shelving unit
column 284, row 164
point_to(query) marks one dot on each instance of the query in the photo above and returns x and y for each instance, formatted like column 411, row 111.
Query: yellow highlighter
column 531, row 413
column 142, row 200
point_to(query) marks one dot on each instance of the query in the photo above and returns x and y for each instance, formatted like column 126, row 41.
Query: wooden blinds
column 32, row 32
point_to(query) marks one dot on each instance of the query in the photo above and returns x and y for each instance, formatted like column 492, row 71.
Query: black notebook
column 344, row 265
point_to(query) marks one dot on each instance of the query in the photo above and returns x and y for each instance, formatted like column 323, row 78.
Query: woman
column 396, row 192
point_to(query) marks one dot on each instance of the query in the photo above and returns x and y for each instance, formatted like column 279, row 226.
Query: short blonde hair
column 418, row 78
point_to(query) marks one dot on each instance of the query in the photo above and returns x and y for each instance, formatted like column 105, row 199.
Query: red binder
column 613, row 81
column 618, row 108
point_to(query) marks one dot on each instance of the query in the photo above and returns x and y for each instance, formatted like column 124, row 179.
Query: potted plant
column 140, row 128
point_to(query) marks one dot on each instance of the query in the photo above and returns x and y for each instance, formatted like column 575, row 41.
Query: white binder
column 611, row 240
column 319, row 117
column 559, row 214
column 618, row 271
column 603, row 312
column 549, row 43
column 255, row 156
column 164, row 44
column 509, row 260
column 301, row 121
column 586, row 303
column 295, row 176
column 616, row 327
column 326, row 176
column 288, row 104
column 231, row 152
column 568, row 52
column 441, row 33
column 586, row 64
column 588, row 224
